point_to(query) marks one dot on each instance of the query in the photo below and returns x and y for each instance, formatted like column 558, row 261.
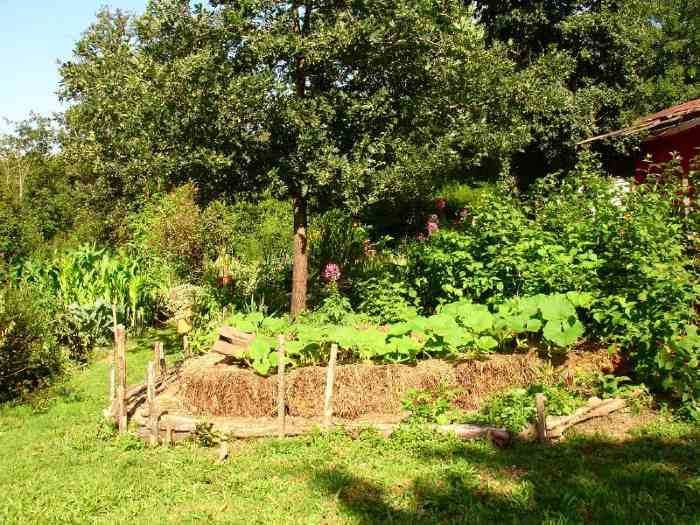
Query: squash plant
column 457, row 330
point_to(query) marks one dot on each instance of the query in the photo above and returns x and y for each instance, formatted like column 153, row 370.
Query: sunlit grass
column 61, row 464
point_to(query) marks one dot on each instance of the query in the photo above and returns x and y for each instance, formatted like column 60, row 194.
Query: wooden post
column 185, row 346
column 281, row 408
column 112, row 361
column 121, row 378
column 541, row 418
column 223, row 451
column 159, row 358
column 330, row 380
column 151, row 398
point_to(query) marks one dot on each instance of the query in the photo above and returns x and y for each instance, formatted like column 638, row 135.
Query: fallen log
column 181, row 424
column 557, row 425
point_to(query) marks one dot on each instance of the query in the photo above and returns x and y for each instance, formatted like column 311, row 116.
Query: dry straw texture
column 364, row 389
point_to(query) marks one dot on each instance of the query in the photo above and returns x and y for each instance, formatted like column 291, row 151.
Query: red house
column 675, row 129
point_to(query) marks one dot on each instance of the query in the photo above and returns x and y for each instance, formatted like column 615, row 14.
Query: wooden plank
column 236, row 337
column 224, row 348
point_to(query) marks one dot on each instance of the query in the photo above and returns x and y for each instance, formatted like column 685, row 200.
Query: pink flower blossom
column 331, row 273
column 440, row 203
column 432, row 227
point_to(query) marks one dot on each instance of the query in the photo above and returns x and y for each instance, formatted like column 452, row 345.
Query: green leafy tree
column 329, row 104
column 628, row 58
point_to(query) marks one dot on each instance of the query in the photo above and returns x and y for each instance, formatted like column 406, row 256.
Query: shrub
column 384, row 299
column 169, row 228
column 255, row 232
column 678, row 363
column 582, row 232
column 29, row 352
column 515, row 409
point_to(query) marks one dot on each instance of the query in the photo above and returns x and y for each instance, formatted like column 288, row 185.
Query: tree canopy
column 351, row 104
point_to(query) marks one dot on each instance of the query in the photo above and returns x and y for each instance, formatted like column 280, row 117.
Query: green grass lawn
column 59, row 463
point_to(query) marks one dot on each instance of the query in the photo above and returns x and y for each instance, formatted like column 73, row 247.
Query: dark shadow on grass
column 585, row 480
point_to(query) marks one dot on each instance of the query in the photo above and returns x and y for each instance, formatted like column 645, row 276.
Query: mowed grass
column 59, row 463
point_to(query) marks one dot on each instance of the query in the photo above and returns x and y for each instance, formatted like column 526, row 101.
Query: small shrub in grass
column 515, row 409
column 434, row 406
column 679, row 369
column 29, row 352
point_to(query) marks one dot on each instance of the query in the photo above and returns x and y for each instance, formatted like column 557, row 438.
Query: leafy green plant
column 384, row 299
column 457, row 330
column 87, row 275
column 679, row 366
column 433, row 406
column 608, row 385
column 81, row 328
column 205, row 436
column 29, row 351
column 514, row 409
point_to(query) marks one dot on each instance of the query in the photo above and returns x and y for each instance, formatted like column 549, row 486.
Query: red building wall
column 686, row 143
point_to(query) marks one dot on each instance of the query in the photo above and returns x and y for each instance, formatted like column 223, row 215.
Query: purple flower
column 440, row 203
column 432, row 227
column 331, row 273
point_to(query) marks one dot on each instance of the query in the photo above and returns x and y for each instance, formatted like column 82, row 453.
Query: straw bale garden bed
column 464, row 370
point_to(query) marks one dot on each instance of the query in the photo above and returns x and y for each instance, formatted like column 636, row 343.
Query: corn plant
column 89, row 275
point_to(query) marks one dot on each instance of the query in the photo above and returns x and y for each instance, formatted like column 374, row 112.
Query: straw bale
column 360, row 389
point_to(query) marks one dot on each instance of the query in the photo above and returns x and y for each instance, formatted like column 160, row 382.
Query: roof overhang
column 666, row 123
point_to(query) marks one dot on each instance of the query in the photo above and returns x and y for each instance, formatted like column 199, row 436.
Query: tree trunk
column 300, row 273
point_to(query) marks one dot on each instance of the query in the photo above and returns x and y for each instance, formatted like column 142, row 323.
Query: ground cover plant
column 60, row 464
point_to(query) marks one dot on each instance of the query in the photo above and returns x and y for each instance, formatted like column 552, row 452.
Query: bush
column 384, row 299
column 515, row 409
column 581, row 232
column 169, row 229
column 29, row 352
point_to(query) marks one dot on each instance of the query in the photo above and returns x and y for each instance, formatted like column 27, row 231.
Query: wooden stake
column 161, row 359
column 185, row 346
column 112, row 360
column 541, row 418
column 330, row 380
column 281, row 408
column 223, row 451
column 120, row 333
column 151, row 398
